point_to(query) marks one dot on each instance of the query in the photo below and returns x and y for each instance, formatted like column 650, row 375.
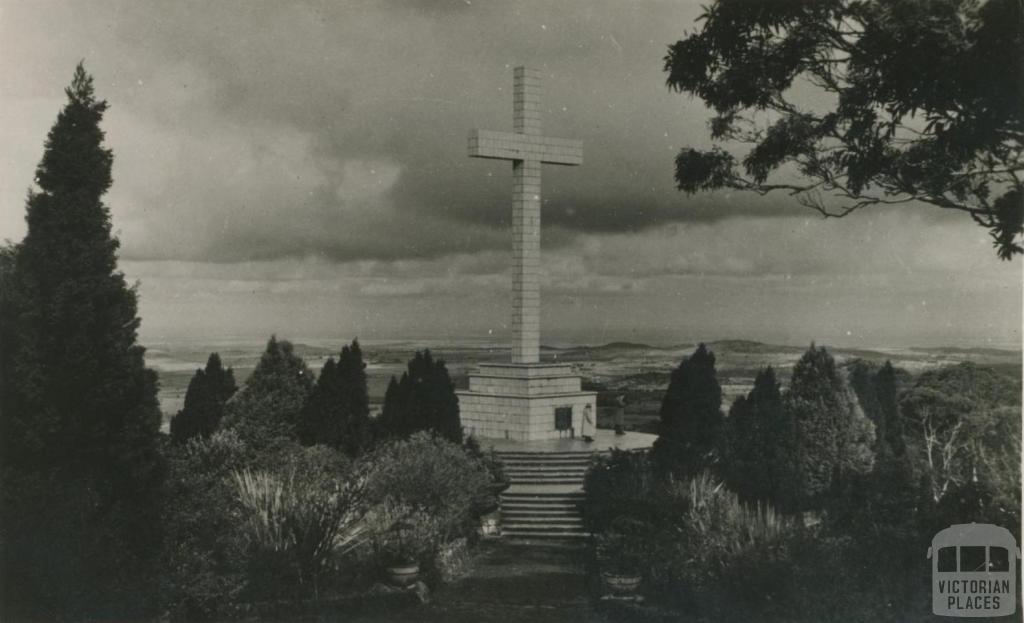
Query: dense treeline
column 845, row 474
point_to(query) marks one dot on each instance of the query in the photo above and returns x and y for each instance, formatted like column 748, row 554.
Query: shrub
column 625, row 483
column 624, row 547
column 294, row 526
column 427, row 477
column 720, row 554
column 202, row 556
column 494, row 466
column 404, row 534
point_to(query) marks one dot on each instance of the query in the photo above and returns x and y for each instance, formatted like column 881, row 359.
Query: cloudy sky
column 300, row 168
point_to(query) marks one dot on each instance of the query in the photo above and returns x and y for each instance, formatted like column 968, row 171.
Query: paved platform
column 604, row 440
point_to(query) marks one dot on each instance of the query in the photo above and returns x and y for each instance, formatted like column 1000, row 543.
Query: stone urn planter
column 622, row 554
column 622, row 584
column 490, row 523
column 403, row 574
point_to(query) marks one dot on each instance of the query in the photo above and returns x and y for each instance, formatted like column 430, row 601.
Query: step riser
column 544, row 531
column 552, row 512
column 541, row 516
column 570, row 505
column 515, row 477
column 532, row 469
column 539, row 496
column 554, row 538
column 532, row 480
column 521, row 479
column 539, row 512
column 552, row 504
column 565, row 518
column 574, row 466
column 540, row 525
column 518, row 475
column 508, row 460
column 540, row 456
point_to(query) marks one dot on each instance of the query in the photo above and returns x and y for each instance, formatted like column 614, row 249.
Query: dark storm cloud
column 262, row 130
column 339, row 129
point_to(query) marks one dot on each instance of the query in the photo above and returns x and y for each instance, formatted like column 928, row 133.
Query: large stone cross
column 527, row 150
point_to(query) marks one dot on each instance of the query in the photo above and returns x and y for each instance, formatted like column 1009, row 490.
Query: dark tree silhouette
column 890, row 422
column 758, row 438
column 690, row 429
column 338, row 412
column 78, row 407
column 207, row 392
column 921, row 103
column 424, row 399
column 832, row 436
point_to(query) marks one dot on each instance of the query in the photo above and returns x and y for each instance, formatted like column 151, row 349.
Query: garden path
column 515, row 583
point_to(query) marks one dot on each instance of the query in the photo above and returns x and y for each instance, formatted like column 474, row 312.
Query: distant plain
column 640, row 371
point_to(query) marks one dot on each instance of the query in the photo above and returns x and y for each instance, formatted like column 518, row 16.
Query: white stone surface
column 527, row 150
column 518, row 401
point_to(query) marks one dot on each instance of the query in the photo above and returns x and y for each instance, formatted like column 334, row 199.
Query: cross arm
column 513, row 146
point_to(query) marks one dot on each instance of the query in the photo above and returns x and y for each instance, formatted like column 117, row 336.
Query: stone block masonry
column 527, row 150
column 525, row 400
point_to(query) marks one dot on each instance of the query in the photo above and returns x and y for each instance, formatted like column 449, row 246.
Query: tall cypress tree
column 388, row 423
column 861, row 376
column 757, row 436
column 890, row 424
column 79, row 412
column 424, row 399
column 338, row 411
column 319, row 422
column 832, row 438
column 203, row 410
column 690, row 429
column 356, row 433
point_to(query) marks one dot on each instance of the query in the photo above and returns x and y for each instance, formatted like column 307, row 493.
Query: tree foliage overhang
column 926, row 105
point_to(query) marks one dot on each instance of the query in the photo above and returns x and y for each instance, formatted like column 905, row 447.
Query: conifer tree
column 270, row 404
column 356, row 431
column 832, row 438
column 320, row 421
column 690, row 429
column 861, row 377
column 424, row 399
column 79, row 417
column 338, row 412
column 890, row 423
column 757, row 436
column 388, row 423
column 205, row 397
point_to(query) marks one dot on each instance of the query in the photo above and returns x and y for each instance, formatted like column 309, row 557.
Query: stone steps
column 541, row 506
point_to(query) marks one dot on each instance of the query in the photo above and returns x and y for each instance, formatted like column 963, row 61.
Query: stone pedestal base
column 525, row 402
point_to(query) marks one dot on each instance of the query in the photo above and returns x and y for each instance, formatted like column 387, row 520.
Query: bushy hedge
column 625, row 483
column 291, row 523
column 430, row 483
column 705, row 554
column 203, row 555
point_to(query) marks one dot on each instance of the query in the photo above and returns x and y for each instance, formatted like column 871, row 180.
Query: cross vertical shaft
column 527, row 150
column 526, row 223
